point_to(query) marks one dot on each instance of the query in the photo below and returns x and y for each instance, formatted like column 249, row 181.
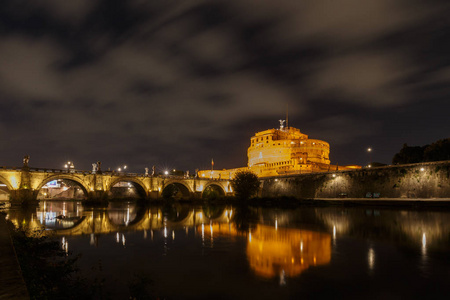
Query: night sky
column 176, row 83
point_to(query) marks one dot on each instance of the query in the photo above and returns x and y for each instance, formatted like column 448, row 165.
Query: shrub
column 245, row 184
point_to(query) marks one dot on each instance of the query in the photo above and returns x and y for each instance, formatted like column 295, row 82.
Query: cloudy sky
column 176, row 83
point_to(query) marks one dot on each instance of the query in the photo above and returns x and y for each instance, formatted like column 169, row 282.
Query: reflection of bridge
column 103, row 222
column 271, row 251
column 24, row 183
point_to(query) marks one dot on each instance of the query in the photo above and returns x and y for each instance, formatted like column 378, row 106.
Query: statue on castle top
column 282, row 124
column 26, row 159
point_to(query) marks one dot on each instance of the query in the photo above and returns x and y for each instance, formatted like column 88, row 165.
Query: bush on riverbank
column 49, row 272
column 245, row 184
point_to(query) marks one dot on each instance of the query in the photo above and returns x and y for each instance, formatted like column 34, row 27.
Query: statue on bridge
column 96, row 167
column 153, row 171
column 146, row 172
column 26, row 159
column 187, row 174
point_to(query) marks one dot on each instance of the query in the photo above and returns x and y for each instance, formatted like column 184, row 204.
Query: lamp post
column 369, row 150
column 334, row 186
column 122, row 168
column 69, row 166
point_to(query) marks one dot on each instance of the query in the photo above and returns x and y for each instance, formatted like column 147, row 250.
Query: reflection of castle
column 272, row 251
column 282, row 151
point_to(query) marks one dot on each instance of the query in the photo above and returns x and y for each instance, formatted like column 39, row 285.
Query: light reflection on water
column 246, row 252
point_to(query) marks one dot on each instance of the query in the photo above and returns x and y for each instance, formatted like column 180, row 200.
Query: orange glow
column 219, row 229
column 282, row 151
column 272, row 251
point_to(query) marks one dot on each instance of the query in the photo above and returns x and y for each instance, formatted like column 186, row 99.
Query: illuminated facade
column 282, row 151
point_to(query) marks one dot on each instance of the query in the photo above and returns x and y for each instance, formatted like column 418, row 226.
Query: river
column 228, row 252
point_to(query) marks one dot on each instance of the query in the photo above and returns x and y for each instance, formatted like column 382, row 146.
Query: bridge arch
column 213, row 187
column 181, row 189
column 5, row 193
column 6, row 182
column 84, row 187
column 137, row 184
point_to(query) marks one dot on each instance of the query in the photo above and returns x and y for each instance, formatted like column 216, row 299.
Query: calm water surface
column 225, row 252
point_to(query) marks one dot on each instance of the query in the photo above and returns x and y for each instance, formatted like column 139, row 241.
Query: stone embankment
column 413, row 181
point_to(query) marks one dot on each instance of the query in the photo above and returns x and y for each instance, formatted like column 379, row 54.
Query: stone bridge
column 23, row 184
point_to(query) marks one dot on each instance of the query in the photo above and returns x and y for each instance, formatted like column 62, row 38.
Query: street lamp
column 369, row 150
column 69, row 165
column 124, row 167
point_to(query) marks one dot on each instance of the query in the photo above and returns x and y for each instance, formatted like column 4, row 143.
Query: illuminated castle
column 282, row 151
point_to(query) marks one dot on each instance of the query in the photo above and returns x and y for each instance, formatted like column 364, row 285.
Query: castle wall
column 424, row 180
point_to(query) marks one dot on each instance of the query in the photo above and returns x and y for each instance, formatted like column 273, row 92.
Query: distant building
column 282, row 151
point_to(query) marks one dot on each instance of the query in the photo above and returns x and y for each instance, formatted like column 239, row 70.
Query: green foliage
column 437, row 151
column 409, row 155
column 245, row 184
column 210, row 194
column 49, row 272
column 169, row 191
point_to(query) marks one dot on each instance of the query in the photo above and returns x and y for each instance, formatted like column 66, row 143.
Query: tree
column 409, row 155
column 169, row 191
column 439, row 150
column 245, row 184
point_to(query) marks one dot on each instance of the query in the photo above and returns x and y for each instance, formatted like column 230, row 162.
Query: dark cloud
column 175, row 83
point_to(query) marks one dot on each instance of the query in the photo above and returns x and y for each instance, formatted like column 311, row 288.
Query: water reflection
column 286, row 252
column 275, row 245
column 425, row 229
column 371, row 258
column 420, row 228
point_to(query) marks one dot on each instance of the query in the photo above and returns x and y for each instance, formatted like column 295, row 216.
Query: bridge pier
column 97, row 198
column 24, row 197
column 153, row 195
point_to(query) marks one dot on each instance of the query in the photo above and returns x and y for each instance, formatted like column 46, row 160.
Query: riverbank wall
column 412, row 181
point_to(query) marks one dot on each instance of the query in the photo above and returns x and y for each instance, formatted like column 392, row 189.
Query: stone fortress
column 282, row 151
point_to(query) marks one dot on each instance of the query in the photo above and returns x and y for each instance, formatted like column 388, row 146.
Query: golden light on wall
column 282, row 151
column 14, row 182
